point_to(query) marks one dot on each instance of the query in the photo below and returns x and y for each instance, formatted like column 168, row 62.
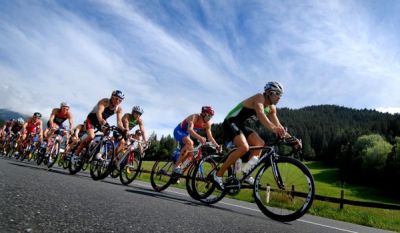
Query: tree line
column 364, row 144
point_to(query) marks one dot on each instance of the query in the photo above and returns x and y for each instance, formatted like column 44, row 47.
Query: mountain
column 6, row 114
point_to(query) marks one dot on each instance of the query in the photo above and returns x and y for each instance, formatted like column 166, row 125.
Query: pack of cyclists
column 261, row 106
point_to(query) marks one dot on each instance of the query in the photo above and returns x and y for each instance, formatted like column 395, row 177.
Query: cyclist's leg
column 242, row 147
column 255, row 140
column 185, row 151
column 84, row 143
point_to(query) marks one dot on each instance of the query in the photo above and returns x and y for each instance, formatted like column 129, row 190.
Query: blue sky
column 172, row 57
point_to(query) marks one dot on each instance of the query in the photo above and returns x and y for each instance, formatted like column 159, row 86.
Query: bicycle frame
column 269, row 155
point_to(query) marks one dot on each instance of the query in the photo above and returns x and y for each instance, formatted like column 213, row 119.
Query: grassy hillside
column 328, row 184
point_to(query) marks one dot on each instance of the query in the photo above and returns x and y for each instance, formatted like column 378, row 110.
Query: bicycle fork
column 275, row 171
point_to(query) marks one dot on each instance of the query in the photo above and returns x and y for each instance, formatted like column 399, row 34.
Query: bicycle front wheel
column 203, row 187
column 290, row 200
column 131, row 168
column 53, row 154
column 101, row 168
column 161, row 173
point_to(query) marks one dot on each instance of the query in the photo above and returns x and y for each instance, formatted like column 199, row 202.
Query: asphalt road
column 35, row 199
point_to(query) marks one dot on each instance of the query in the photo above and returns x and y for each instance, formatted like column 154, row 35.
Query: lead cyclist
column 261, row 106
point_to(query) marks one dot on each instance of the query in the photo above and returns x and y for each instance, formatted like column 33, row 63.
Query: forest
column 364, row 144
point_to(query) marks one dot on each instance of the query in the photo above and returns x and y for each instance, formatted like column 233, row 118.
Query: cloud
column 172, row 58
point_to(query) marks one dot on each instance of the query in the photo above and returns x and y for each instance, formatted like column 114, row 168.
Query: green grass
column 328, row 184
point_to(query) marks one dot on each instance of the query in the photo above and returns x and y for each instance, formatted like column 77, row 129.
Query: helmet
column 138, row 131
column 137, row 109
column 273, row 86
column 118, row 93
column 20, row 121
column 64, row 104
column 207, row 109
column 37, row 114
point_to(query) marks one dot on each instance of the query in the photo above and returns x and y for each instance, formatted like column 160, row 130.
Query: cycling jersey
column 235, row 120
column 32, row 127
column 93, row 122
column 16, row 128
column 181, row 130
column 132, row 123
column 8, row 126
column 59, row 117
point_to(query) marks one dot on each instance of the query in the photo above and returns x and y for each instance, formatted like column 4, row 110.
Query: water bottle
column 175, row 155
column 238, row 165
column 186, row 162
column 252, row 162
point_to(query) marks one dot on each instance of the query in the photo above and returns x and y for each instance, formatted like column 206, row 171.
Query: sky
column 172, row 57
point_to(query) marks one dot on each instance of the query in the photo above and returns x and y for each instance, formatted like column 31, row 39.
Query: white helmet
column 64, row 104
column 273, row 86
column 20, row 121
column 137, row 109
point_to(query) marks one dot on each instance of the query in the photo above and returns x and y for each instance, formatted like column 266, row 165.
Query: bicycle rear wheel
column 160, row 175
column 130, row 168
column 203, row 186
column 286, row 203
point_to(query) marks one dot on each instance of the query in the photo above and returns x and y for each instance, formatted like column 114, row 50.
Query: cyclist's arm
column 41, row 129
column 141, row 127
column 258, row 105
column 52, row 116
column 23, row 126
column 209, row 134
column 190, row 120
column 100, row 109
column 119, row 118
column 125, row 122
column 70, row 121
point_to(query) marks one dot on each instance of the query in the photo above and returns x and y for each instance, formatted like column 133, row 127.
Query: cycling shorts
column 230, row 132
column 180, row 133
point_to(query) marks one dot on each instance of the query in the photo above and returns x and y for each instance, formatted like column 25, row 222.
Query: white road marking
column 257, row 210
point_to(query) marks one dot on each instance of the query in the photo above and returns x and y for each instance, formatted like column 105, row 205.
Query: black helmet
column 118, row 93
column 37, row 114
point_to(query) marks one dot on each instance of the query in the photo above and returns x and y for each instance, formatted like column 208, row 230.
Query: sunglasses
column 118, row 98
column 277, row 93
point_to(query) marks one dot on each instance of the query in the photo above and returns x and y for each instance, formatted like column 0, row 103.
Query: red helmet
column 207, row 109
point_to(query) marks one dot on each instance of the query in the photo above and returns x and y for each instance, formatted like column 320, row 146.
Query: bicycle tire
column 161, row 173
column 204, row 188
column 287, row 204
column 189, row 188
column 24, row 154
column 75, row 166
column 54, row 152
column 130, row 169
column 100, row 169
column 66, row 161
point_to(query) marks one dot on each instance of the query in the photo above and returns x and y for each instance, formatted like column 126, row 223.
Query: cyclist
column 190, row 127
column 5, row 130
column 57, row 118
column 33, row 125
column 76, row 136
column 16, row 128
column 129, row 121
column 263, row 107
column 105, row 108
